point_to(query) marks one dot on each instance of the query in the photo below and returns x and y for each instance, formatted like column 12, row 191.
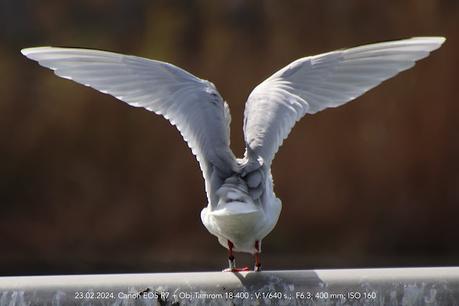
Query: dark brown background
column 91, row 185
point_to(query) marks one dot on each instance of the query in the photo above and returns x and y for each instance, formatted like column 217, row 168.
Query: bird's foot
column 232, row 261
column 257, row 268
column 244, row 269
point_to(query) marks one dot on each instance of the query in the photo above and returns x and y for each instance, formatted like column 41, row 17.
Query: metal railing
column 401, row 286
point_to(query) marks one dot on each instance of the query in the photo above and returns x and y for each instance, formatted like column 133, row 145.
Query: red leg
column 232, row 261
column 257, row 257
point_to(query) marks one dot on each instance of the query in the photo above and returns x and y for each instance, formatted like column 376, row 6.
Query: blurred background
column 91, row 185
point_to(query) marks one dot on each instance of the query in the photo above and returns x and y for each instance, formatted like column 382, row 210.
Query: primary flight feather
column 242, row 206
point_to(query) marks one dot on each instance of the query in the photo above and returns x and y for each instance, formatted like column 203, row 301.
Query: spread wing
column 311, row 84
column 192, row 104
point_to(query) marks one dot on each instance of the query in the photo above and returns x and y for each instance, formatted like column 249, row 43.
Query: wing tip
column 434, row 42
column 29, row 52
column 433, row 39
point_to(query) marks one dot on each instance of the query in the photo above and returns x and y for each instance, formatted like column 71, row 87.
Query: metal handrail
column 395, row 286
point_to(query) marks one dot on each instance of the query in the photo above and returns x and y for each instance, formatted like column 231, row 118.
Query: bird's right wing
column 311, row 84
column 192, row 104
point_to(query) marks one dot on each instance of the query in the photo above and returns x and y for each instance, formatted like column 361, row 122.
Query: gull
column 242, row 207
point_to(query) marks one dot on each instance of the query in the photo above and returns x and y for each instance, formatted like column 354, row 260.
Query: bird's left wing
column 314, row 83
column 192, row 104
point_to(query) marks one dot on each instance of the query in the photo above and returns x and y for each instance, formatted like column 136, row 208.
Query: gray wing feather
column 314, row 83
column 193, row 105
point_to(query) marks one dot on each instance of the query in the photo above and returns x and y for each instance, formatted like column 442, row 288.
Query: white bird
column 242, row 206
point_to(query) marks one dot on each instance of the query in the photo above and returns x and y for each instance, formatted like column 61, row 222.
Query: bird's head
column 234, row 190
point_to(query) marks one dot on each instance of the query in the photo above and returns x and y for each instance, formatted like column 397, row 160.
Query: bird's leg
column 257, row 257
column 232, row 261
